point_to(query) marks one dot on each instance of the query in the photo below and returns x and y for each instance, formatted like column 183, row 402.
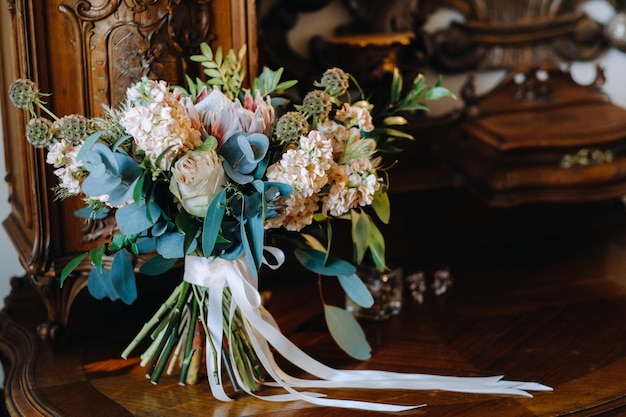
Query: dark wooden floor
column 548, row 310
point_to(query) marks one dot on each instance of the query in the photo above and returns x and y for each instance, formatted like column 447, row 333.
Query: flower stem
column 167, row 343
column 152, row 322
column 193, row 318
column 208, row 334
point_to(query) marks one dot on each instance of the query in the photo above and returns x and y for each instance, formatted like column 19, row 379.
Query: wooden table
column 552, row 312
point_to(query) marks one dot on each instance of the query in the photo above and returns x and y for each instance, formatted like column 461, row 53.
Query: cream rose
column 196, row 178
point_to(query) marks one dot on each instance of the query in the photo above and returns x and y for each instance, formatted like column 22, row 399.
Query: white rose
column 196, row 178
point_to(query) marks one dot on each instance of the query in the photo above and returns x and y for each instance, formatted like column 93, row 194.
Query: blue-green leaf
column 245, row 243
column 157, row 265
column 100, row 286
column 212, row 221
column 356, row 290
column 256, row 231
column 347, row 332
column 90, row 213
column 133, row 219
column 170, row 245
column 123, row 277
column 86, row 146
column 316, row 261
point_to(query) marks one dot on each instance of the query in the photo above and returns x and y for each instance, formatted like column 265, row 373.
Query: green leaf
column 356, row 290
column 314, row 261
column 347, row 332
column 382, row 206
column 396, row 85
column 96, row 256
column 395, row 121
column 377, row 248
column 397, row 133
column 285, row 85
column 436, row 93
column 213, row 73
column 138, row 190
column 212, row 221
column 361, row 231
column 189, row 226
column 71, row 266
column 206, row 50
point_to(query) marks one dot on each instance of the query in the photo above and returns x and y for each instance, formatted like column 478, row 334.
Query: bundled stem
column 174, row 329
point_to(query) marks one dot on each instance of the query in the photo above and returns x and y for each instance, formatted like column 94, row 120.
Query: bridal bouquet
column 224, row 177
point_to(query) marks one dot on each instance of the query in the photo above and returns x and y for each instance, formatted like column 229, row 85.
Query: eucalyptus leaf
column 86, row 146
column 90, row 213
column 157, row 265
column 256, row 233
column 100, row 285
column 133, row 218
column 316, row 261
column 123, row 277
column 212, row 221
column 170, row 245
column 245, row 243
column 356, row 290
column 347, row 332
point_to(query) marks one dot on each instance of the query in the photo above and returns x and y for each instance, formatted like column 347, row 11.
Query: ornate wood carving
column 510, row 34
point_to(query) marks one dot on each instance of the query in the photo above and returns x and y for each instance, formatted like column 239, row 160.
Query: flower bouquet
column 223, row 177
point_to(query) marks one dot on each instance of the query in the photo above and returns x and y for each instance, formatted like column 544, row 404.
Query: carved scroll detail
column 124, row 40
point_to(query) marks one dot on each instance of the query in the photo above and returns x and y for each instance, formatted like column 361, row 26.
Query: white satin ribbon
column 217, row 273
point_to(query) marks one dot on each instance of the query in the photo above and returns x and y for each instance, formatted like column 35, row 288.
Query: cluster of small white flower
column 334, row 163
column 69, row 171
column 158, row 123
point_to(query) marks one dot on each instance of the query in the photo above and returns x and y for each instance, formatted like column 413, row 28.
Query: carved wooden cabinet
column 87, row 53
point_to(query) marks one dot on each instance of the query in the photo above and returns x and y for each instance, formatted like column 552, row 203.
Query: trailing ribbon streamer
column 217, row 274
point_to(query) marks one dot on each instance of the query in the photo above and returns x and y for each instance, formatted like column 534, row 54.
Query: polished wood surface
column 550, row 311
